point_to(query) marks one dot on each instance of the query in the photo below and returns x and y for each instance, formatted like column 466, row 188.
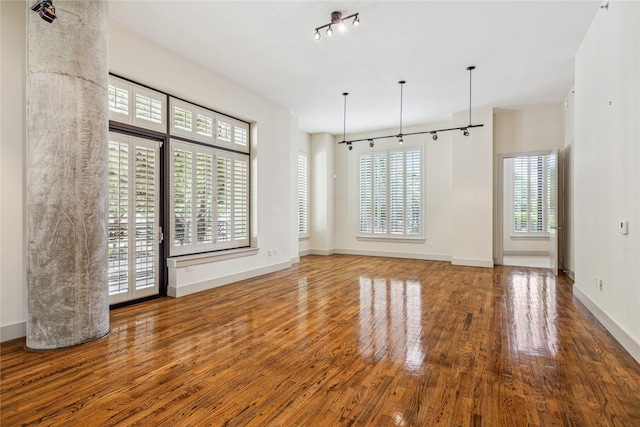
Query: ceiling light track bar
column 400, row 135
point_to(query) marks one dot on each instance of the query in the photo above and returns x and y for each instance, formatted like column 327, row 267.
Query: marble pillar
column 66, row 197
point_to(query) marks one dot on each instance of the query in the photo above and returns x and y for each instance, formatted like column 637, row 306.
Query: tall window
column 209, row 198
column 530, row 196
column 303, row 195
column 390, row 194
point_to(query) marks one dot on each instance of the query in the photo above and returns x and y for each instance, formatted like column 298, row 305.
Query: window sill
column 206, row 258
column 529, row 236
column 303, row 237
column 391, row 239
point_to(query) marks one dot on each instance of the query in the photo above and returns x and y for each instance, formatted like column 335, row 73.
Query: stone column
column 66, row 197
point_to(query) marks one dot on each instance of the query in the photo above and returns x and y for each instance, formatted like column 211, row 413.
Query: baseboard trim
column 486, row 263
column 618, row 332
column 11, row 332
column 320, row 252
column 192, row 288
column 570, row 274
column 406, row 255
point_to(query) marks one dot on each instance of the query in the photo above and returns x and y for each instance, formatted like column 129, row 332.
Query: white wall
column 13, row 290
column 568, row 226
column 607, row 171
column 472, row 207
column 322, row 194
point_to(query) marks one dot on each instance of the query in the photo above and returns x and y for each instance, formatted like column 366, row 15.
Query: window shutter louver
column 135, row 105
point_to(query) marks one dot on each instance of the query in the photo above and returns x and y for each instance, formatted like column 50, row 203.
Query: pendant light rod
column 401, row 82
column 470, row 69
column 344, row 120
column 464, row 129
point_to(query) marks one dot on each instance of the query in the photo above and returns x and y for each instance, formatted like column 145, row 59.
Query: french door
column 133, row 221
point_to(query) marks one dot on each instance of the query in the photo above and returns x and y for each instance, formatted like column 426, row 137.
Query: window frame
column 385, row 183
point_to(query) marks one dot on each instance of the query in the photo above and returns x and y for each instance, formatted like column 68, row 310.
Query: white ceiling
column 523, row 50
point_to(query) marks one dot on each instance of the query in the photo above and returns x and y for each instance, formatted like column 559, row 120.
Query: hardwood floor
column 340, row 340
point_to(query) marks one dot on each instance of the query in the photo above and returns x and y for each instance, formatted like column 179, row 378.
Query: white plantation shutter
column 241, row 200
column 133, row 222
column 209, row 198
column 241, row 136
column 181, row 197
column 204, row 199
column 118, row 100
column 390, row 194
column 204, row 125
column 530, row 195
column 380, row 191
column 136, row 105
column 224, row 131
column 223, row 200
column 396, row 192
column 365, row 222
column 303, row 195
column 181, row 119
column 413, row 194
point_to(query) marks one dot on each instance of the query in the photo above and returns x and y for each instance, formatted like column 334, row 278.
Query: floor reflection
column 533, row 301
column 390, row 321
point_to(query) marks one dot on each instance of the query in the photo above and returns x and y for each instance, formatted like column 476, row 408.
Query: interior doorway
column 528, row 226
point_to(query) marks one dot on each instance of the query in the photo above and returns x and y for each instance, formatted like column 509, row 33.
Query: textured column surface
column 67, row 127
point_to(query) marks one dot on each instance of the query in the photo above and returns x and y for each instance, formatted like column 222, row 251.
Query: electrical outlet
column 275, row 251
column 270, row 252
column 600, row 284
column 430, row 243
column 190, row 268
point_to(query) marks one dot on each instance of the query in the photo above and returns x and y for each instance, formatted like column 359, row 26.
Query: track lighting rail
column 401, row 135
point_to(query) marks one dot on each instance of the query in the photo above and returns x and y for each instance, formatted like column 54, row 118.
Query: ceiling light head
column 400, row 141
column 371, row 143
column 356, row 20
column 465, row 132
column 350, row 146
column 329, row 31
column 434, row 136
column 317, row 35
column 45, row 9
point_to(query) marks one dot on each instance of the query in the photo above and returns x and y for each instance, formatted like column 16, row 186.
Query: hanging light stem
column 344, row 120
column 402, row 82
column 470, row 68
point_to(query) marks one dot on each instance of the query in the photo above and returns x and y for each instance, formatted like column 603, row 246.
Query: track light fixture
column 45, row 9
column 337, row 19
column 400, row 135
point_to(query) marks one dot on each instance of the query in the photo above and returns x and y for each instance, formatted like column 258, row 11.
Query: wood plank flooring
column 339, row 340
